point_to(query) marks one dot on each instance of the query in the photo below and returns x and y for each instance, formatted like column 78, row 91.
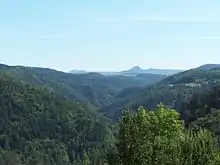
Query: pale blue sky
column 109, row 34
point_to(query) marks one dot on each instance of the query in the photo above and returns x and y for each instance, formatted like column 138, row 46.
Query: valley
column 116, row 82
column 51, row 117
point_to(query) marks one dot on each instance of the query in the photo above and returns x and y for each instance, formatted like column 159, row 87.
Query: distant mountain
column 105, row 73
column 163, row 71
column 75, row 71
column 92, row 89
column 135, row 71
column 209, row 66
column 138, row 70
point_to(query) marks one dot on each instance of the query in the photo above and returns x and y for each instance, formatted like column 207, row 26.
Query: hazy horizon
column 104, row 70
column 112, row 35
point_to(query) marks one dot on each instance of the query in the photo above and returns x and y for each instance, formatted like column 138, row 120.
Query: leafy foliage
column 159, row 137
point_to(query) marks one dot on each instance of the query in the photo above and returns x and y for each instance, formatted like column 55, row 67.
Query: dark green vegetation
column 93, row 89
column 41, row 128
column 174, row 91
column 50, row 117
column 159, row 137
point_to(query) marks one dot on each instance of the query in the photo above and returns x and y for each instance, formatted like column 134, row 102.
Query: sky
column 100, row 35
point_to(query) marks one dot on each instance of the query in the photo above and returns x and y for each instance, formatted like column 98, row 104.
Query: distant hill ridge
column 138, row 70
column 134, row 71
column 92, row 89
column 209, row 66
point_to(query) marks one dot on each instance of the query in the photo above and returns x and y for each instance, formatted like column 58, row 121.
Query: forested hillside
column 50, row 117
column 173, row 91
column 38, row 127
column 93, row 89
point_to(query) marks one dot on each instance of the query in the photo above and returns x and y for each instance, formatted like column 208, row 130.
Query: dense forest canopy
column 39, row 126
column 174, row 91
column 92, row 89
column 50, row 117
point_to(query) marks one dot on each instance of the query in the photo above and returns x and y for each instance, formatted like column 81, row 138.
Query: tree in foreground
column 159, row 138
column 85, row 159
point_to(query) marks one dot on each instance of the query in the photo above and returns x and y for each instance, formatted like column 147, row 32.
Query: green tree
column 86, row 159
column 159, row 137
column 199, row 148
